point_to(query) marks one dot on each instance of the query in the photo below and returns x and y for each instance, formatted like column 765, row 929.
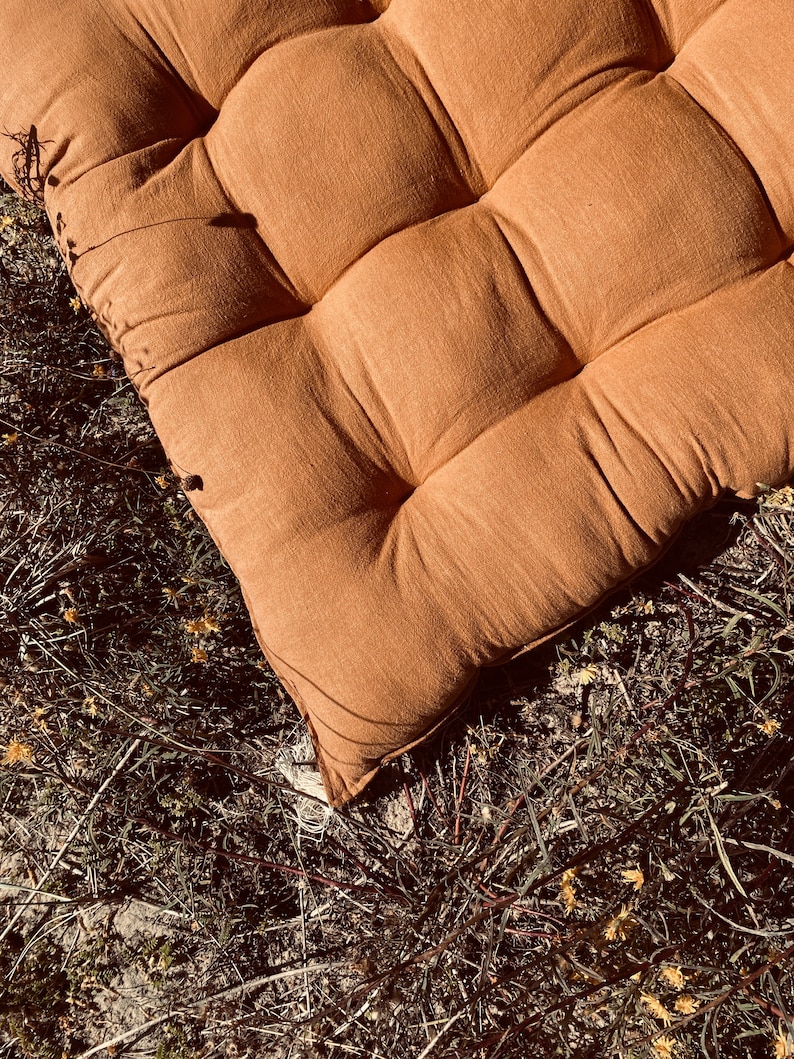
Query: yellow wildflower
column 162, row 481
column 206, row 624
column 686, row 1004
column 567, row 891
column 674, row 976
column 620, row 925
column 90, row 705
column 199, row 655
column 656, row 1008
column 6, row 221
column 11, row 439
column 17, row 751
column 99, row 371
column 40, row 719
column 769, row 727
column 634, row 875
column 72, row 615
column 587, row 674
column 664, row 1047
column 76, row 304
column 615, row 929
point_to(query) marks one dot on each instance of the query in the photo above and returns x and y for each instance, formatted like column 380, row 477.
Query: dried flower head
column 634, row 875
column 656, row 1008
column 620, row 925
column 673, row 976
column 664, row 1047
column 769, row 726
column 587, row 674
column 90, row 705
column 567, row 891
column 40, row 719
column 686, row 1004
column 203, row 625
column 18, row 752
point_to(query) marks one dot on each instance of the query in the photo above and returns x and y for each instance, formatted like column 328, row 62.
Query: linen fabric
column 452, row 311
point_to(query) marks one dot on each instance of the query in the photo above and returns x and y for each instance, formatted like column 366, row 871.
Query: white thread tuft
column 297, row 765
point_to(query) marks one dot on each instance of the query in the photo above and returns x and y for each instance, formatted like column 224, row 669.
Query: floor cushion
column 448, row 313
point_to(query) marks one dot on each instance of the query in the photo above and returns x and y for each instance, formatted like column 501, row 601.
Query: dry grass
column 596, row 860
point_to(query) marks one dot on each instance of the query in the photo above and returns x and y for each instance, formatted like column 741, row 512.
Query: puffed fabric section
column 457, row 309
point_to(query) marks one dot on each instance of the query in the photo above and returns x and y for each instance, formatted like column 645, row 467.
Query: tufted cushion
column 453, row 310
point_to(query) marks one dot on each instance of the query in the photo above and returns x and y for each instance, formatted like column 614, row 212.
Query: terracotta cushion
column 457, row 308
